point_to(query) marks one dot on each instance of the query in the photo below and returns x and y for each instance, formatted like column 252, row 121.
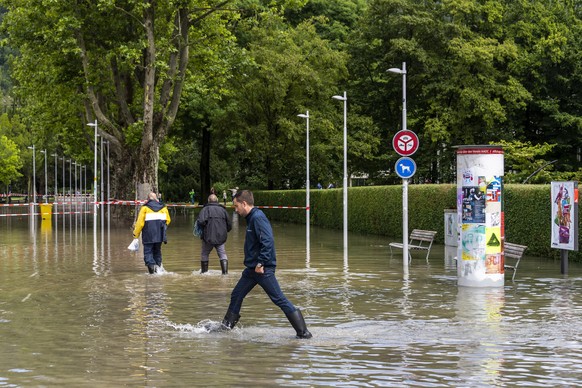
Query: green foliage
column 10, row 161
column 523, row 162
column 288, row 69
column 477, row 72
column 528, row 217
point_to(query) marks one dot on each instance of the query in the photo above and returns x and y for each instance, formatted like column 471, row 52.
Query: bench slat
column 513, row 251
column 419, row 239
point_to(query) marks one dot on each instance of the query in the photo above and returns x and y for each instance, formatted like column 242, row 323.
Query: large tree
column 478, row 71
column 122, row 63
column 289, row 70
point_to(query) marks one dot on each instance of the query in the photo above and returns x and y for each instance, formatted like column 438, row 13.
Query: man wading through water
column 152, row 222
column 260, row 262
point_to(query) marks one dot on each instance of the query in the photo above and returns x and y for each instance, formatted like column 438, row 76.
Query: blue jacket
column 152, row 222
column 259, row 241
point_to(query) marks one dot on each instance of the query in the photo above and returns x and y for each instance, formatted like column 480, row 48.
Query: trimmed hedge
column 378, row 210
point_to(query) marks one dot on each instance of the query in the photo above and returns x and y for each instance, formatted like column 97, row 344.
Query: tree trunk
column 147, row 171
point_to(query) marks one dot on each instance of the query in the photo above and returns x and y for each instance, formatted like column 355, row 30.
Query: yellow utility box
column 46, row 211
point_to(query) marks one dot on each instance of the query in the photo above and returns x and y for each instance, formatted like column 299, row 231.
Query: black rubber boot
column 203, row 266
column 230, row 320
column 151, row 269
column 298, row 323
column 224, row 266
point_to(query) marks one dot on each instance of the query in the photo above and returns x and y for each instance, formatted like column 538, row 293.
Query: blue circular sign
column 405, row 167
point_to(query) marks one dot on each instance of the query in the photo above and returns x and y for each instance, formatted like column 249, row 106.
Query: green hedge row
column 378, row 210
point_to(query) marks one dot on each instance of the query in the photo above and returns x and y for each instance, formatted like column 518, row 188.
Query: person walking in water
column 260, row 262
column 152, row 222
column 215, row 223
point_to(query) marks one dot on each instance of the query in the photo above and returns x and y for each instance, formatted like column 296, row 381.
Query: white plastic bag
column 134, row 246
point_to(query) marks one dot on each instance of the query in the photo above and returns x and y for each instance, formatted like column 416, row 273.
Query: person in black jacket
column 260, row 262
column 215, row 223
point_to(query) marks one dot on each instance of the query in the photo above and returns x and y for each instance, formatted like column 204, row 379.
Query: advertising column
column 480, row 211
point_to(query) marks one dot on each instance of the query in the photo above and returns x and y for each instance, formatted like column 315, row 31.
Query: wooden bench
column 419, row 239
column 513, row 251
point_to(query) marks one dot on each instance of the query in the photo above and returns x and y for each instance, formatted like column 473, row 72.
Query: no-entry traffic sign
column 405, row 142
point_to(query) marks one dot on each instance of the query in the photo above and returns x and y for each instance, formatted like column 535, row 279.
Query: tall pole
column 94, row 171
column 101, row 175
column 108, row 186
column 63, row 158
column 33, row 175
column 45, row 176
column 56, row 179
column 71, row 179
column 85, row 178
column 307, row 187
column 404, row 181
column 405, row 252
column 75, row 174
column 345, row 181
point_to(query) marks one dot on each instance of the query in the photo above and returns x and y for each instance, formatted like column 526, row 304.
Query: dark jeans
column 152, row 254
column 267, row 281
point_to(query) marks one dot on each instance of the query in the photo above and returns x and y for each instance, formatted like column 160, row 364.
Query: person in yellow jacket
column 152, row 222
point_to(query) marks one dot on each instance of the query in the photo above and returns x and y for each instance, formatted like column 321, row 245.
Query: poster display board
column 565, row 215
column 480, row 172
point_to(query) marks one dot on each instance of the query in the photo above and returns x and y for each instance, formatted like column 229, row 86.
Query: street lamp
column 33, row 174
column 71, row 180
column 307, row 184
column 403, row 72
column 101, row 174
column 94, row 170
column 344, row 98
column 45, row 181
column 85, row 179
column 404, row 180
column 75, row 174
column 63, row 159
column 56, row 183
column 108, row 186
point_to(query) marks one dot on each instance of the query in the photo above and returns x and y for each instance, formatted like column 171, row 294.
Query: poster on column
column 473, row 205
column 565, row 215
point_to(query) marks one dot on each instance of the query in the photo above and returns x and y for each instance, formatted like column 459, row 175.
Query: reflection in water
column 451, row 257
column 87, row 313
column 479, row 311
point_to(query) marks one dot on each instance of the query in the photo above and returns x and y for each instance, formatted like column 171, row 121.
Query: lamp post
column 307, row 186
column 108, row 186
column 101, row 175
column 56, row 180
column 45, row 181
column 33, row 174
column 71, row 179
column 63, row 159
column 94, row 171
column 404, row 180
column 344, row 98
column 85, row 178
column 75, row 174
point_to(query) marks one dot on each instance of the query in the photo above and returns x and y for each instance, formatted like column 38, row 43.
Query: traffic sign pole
column 405, row 143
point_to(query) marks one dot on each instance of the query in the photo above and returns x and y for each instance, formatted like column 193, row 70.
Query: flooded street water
column 78, row 309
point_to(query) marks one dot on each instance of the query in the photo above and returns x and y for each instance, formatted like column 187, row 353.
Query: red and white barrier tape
column 127, row 203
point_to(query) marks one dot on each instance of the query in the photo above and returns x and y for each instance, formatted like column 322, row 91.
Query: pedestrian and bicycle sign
column 405, row 142
column 405, row 167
